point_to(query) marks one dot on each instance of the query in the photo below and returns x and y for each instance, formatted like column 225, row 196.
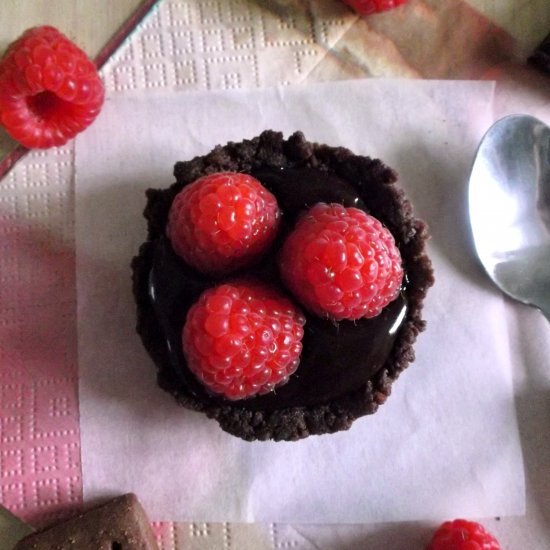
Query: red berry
column 223, row 222
column 341, row 263
column 242, row 339
column 366, row 7
column 49, row 89
column 462, row 535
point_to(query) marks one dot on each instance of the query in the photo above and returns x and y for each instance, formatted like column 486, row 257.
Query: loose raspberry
column 341, row 263
column 243, row 339
column 462, row 535
column 223, row 222
column 366, row 7
column 49, row 89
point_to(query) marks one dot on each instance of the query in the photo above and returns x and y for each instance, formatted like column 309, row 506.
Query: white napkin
column 445, row 444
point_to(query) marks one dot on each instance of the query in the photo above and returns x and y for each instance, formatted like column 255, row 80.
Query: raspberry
column 222, row 222
column 242, row 339
column 366, row 7
column 49, row 89
column 462, row 535
column 341, row 263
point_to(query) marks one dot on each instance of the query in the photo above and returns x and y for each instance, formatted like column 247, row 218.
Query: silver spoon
column 509, row 203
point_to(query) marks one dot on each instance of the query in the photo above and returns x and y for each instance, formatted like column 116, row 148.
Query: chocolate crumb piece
column 120, row 524
column 541, row 56
column 335, row 384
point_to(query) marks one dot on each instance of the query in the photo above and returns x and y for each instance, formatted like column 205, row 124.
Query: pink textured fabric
column 39, row 434
column 40, row 474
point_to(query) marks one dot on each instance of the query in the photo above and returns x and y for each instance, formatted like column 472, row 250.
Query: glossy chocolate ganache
column 346, row 367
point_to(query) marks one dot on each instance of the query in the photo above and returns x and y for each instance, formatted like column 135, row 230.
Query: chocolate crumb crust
column 375, row 185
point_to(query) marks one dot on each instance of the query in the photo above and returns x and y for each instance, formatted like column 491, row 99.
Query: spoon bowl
column 509, row 204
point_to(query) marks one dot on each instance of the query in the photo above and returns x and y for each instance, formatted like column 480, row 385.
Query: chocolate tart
column 347, row 367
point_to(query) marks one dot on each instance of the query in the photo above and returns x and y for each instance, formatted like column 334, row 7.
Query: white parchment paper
column 445, row 444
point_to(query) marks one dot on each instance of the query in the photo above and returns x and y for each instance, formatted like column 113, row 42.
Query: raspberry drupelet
column 223, row 222
column 242, row 339
column 341, row 263
column 49, row 89
column 366, row 7
column 461, row 534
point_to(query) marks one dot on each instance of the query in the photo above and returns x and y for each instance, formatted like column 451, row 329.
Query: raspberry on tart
column 49, row 89
column 243, row 338
column 461, row 534
column 346, row 367
column 223, row 222
column 341, row 263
